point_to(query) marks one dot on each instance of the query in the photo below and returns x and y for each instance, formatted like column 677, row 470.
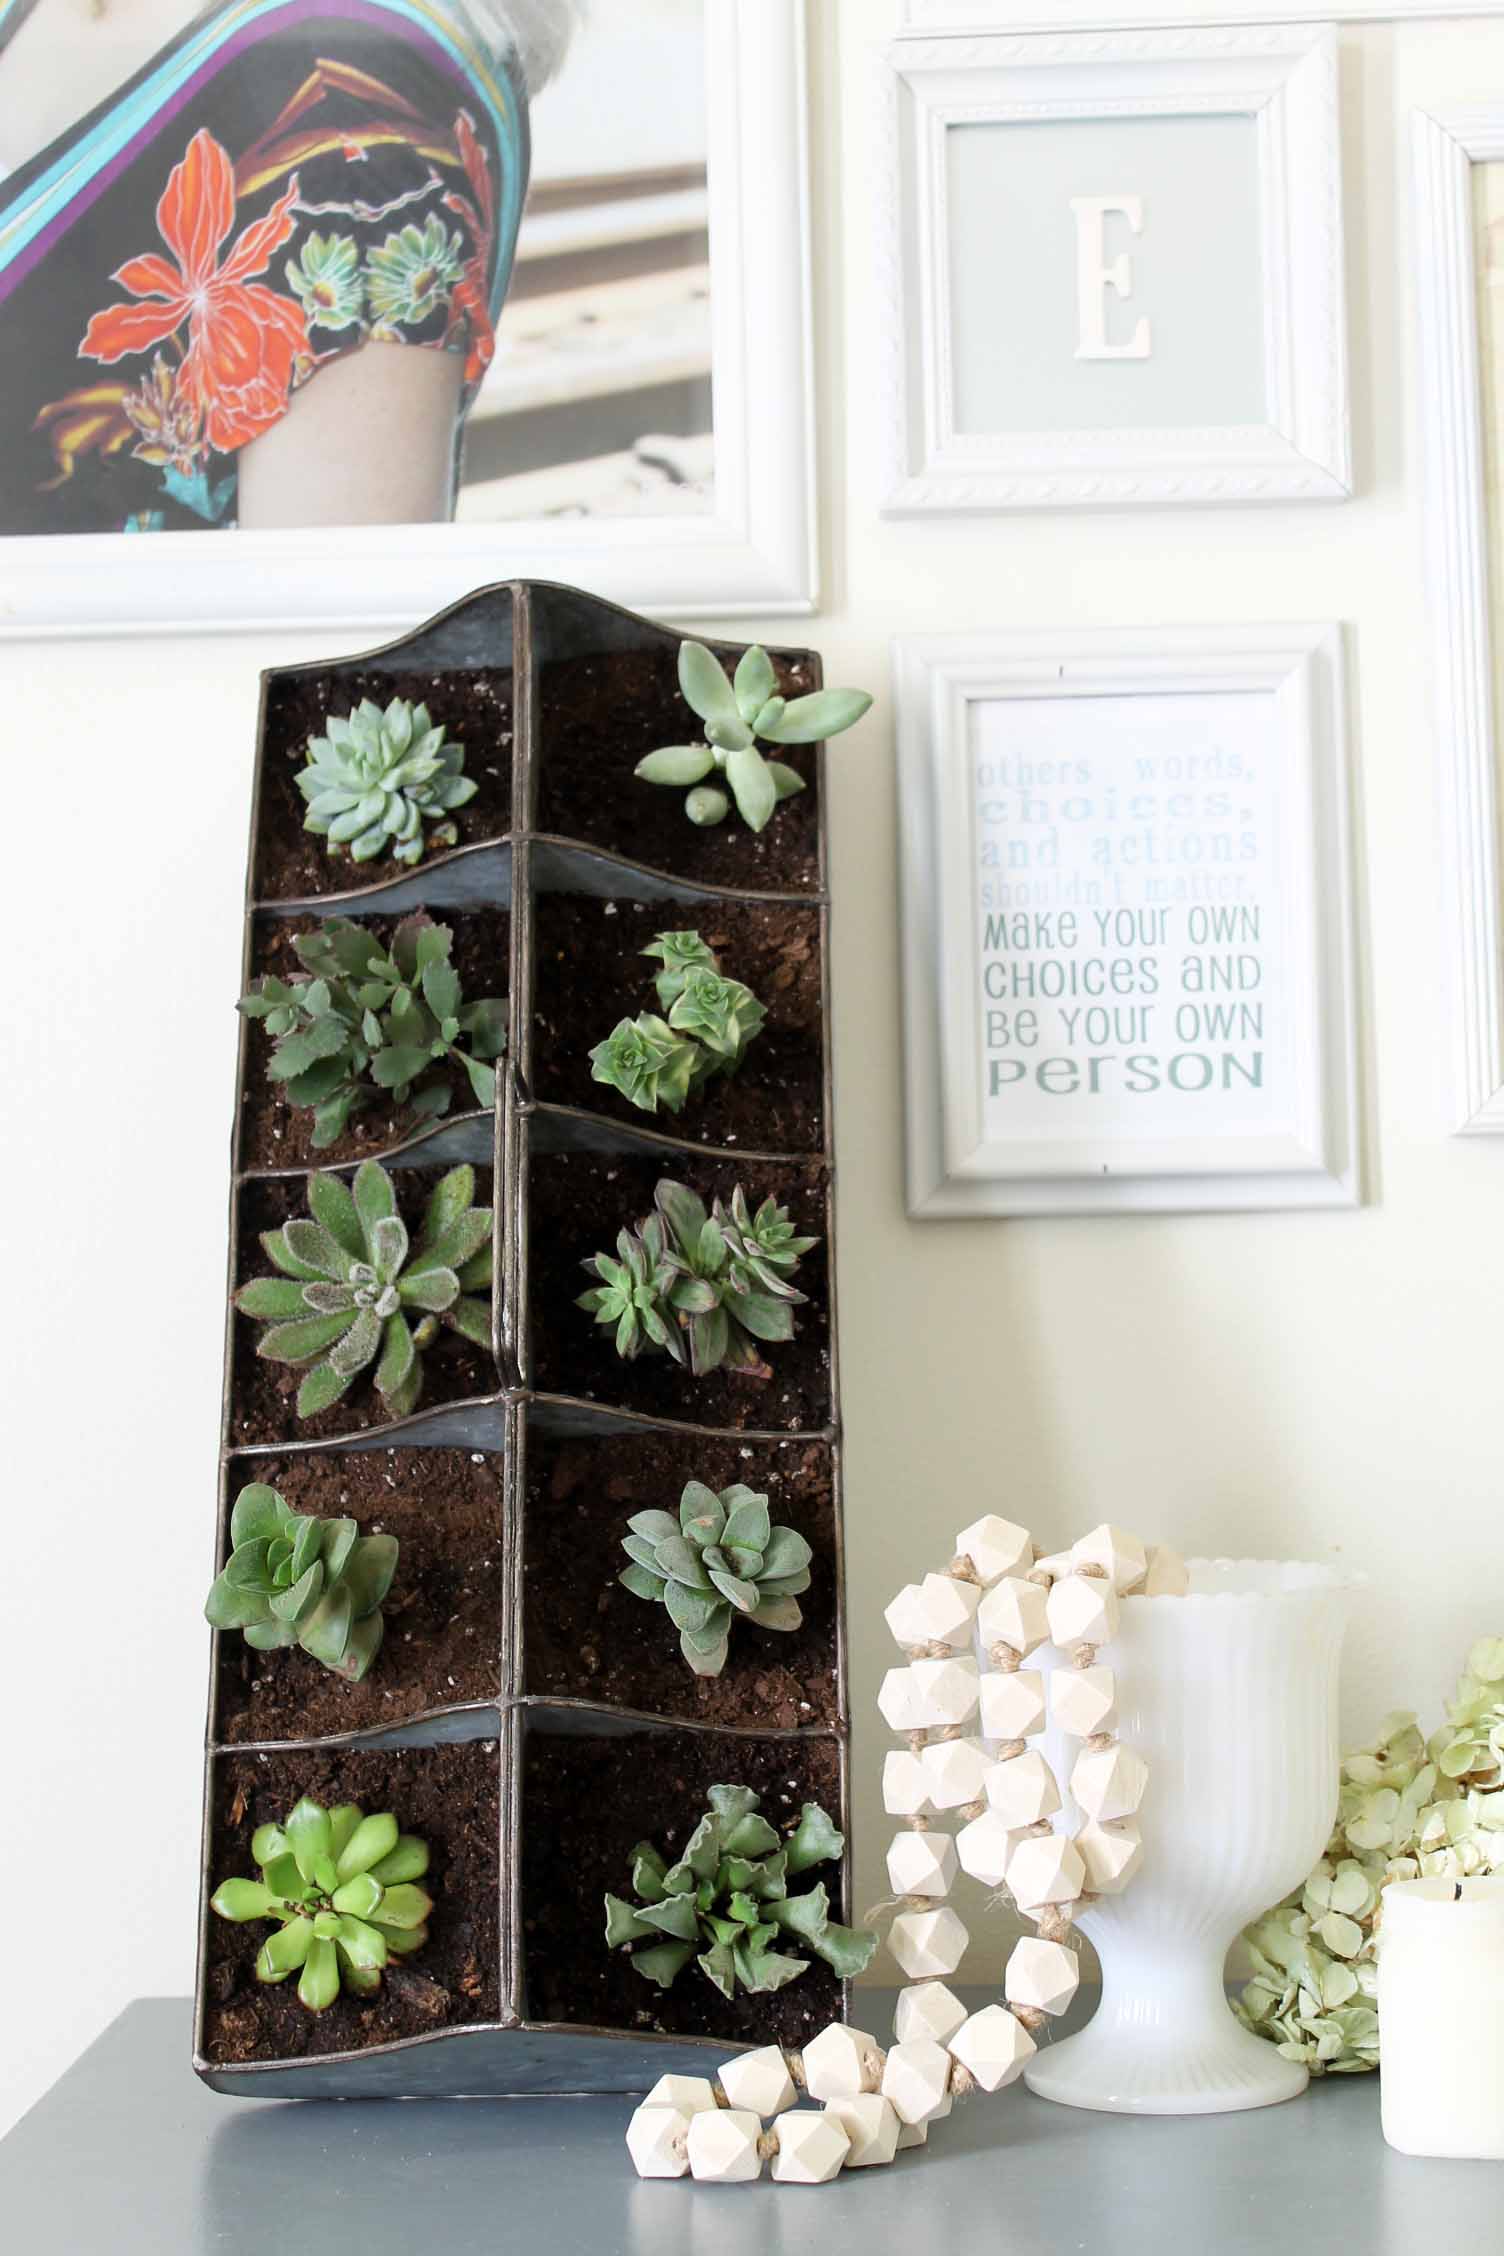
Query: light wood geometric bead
column 690, row 2094
column 759, row 2081
column 1108, row 1782
column 995, row 1547
column 840, row 2062
column 1023, row 1790
column 1111, row 1854
column 812, row 2145
column 1166, row 1576
column 927, row 2009
column 902, row 1616
column 1044, row 1975
column 1012, row 1705
column 1054, row 1564
column 1082, row 1610
column 899, row 1700
column 927, row 1942
column 985, row 1848
column 916, row 2077
column 955, row 1771
column 658, row 2141
column 946, row 1608
column 1045, row 1869
column 1013, row 1613
column 906, row 1790
column 723, row 2146
column 912, row 2134
column 1121, row 1556
column 993, row 2046
column 871, row 2124
column 946, row 1690
column 921, row 1864
column 1082, row 1700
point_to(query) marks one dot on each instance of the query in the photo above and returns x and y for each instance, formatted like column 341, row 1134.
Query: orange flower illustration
column 245, row 343
column 469, row 300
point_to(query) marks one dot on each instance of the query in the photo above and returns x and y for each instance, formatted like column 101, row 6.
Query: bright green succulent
column 368, row 1019
column 654, row 1061
column 353, row 1283
column 726, row 1902
column 340, row 1886
column 704, row 1288
column 736, row 712
column 376, row 778
column 646, row 1062
column 719, row 1562
column 294, row 1579
column 677, row 955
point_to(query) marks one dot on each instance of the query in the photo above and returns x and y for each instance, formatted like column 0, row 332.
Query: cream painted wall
column 1318, row 1385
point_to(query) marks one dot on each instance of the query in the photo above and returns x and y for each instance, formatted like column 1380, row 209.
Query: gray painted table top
column 129, row 2154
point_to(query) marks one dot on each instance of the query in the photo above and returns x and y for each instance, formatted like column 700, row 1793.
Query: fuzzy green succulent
column 702, row 1287
column 294, row 1579
column 655, row 1061
column 721, row 1561
column 1404, row 1809
column 726, row 1902
column 383, row 782
column 736, row 712
column 368, row 1020
column 340, row 1886
column 352, row 1282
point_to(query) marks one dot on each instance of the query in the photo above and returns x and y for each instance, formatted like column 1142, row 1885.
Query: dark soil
column 263, row 1395
column 447, row 1795
column 442, row 1644
column 590, row 972
column 586, row 1802
column 475, row 708
column 578, row 1201
column 598, row 716
column 275, row 1133
column 587, row 1637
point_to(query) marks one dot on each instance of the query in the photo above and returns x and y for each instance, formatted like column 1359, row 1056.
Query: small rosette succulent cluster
column 721, row 1561
column 704, row 1287
column 653, row 1060
column 727, row 1903
column 340, row 1886
column 294, row 1579
column 384, row 782
column 736, row 712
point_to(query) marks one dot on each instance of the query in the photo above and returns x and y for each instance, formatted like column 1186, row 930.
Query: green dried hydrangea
column 1405, row 1809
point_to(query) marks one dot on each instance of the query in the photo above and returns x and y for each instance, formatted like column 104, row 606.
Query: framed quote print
column 1128, row 963
column 1113, row 270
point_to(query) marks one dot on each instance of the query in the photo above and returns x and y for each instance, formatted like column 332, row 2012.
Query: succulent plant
column 704, row 1288
column 719, row 1562
column 727, row 1902
column 352, row 1281
column 736, row 712
column 368, row 1019
column 654, row 1061
column 377, row 778
column 340, row 1886
column 294, row 1579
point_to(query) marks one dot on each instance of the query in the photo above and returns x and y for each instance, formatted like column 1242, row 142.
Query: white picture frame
column 1308, row 1152
column 1445, row 147
column 1285, row 79
column 756, row 552
column 927, row 16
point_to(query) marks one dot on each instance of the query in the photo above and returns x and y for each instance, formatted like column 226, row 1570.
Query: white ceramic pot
column 1230, row 1694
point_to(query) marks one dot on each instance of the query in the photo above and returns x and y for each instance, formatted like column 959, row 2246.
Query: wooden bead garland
column 999, row 1592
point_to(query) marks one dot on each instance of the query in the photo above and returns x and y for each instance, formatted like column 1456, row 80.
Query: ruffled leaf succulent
column 737, row 711
column 384, row 782
column 703, row 1287
column 369, row 1020
column 655, row 1061
column 294, row 1579
column 341, row 1887
column 721, row 1561
column 727, row 1902
column 354, row 1289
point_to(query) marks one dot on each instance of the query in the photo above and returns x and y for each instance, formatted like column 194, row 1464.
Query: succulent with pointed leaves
column 655, row 1061
column 704, row 1288
column 341, row 1887
column 736, row 712
column 294, row 1579
column 726, row 1902
column 376, row 779
column 352, row 1282
column 368, row 1019
column 721, row 1561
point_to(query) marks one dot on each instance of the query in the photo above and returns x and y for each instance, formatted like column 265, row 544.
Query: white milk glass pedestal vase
column 1230, row 1694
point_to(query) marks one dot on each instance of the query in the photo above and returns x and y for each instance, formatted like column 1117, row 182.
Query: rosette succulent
column 375, row 779
column 294, row 1579
column 721, row 1561
column 368, row 1020
column 340, row 1886
column 726, row 1902
column 355, row 1290
column 655, row 1061
column 702, row 1287
column 736, row 712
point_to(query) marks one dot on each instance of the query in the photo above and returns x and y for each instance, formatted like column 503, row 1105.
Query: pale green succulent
column 654, row 1061
column 736, row 712
column 719, row 1561
column 377, row 778
column 295, row 1579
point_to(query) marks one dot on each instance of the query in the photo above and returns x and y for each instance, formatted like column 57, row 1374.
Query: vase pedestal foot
column 1122, row 2067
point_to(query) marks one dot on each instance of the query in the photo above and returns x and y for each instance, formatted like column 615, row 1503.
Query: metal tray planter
column 540, row 635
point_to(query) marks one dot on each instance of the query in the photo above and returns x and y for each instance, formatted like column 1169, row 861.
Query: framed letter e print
column 1128, row 975
column 1113, row 270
